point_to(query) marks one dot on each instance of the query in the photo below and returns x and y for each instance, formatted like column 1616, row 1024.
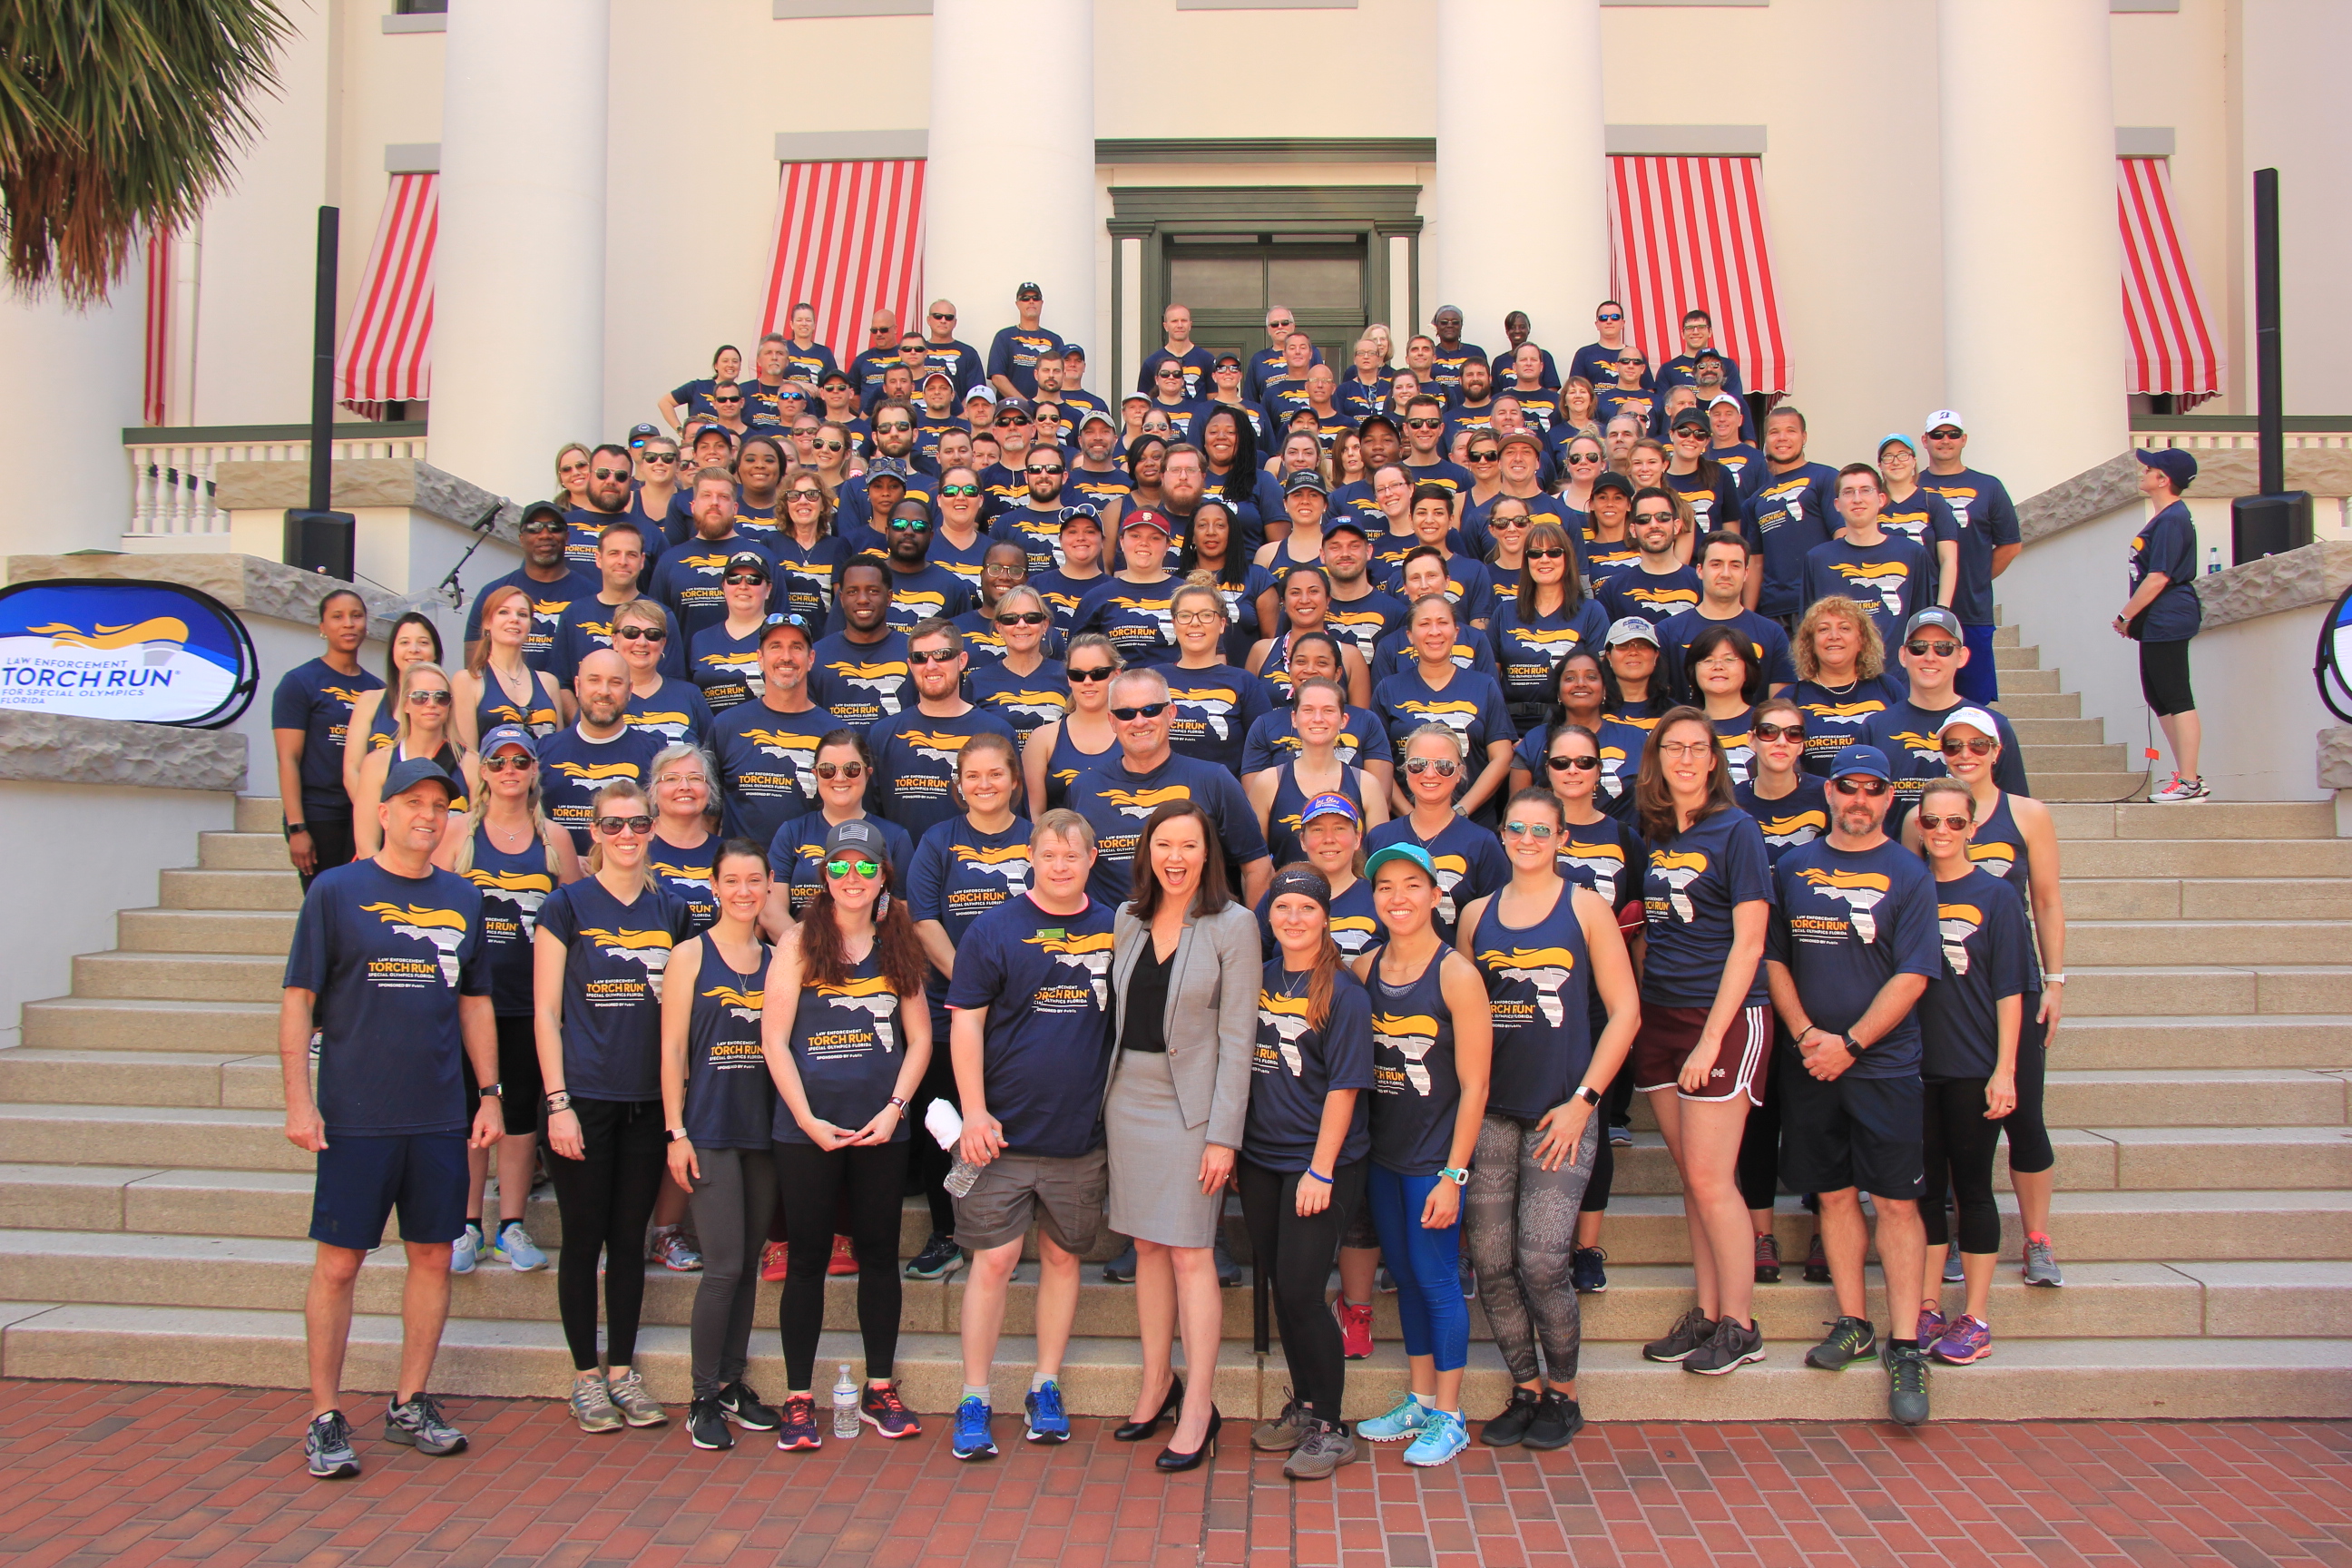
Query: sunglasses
column 1977, row 747
column 948, row 491
column 1486, row 456
column 938, row 656
column 841, row 770
column 1610, row 316
column 726, row 400
column 649, row 634
column 542, row 525
column 613, row 827
column 1580, row 764
column 503, row 764
column 1054, row 469
column 1654, row 517
column 944, row 315
column 1922, row 648
column 1099, row 673
column 909, row 525
column 1535, row 554
column 1444, row 767
column 1929, row 823
column 1424, row 424
column 828, row 446
column 1023, row 618
column 896, row 427
column 430, row 699
column 612, row 473
column 1530, row 829
column 1584, row 457
column 747, row 580
column 870, row 870
column 1778, row 731
column 658, row 456
column 877, row 332
column 1873, row 788
column 1149, row 710
column 803, row 495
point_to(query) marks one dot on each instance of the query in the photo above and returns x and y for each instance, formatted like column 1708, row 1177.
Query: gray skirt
column 1155, row 1159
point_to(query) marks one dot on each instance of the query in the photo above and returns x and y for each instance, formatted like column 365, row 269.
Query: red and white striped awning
column 386, row 354
column 1688, row 233
column 849, row 240
column 155, row 397
column 2168, row 347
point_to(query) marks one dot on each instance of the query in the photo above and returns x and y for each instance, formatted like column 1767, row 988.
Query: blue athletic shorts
column 363, row 1179
column 1978, row 681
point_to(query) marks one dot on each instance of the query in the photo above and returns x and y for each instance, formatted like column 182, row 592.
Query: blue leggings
column 1427, row 1265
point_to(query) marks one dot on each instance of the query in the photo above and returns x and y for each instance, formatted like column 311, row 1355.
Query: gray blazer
column 1211, row 1022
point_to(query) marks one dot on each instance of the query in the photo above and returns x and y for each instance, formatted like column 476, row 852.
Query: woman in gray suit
column 1186, row 970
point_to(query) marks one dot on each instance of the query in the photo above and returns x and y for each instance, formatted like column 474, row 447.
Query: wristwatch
column 294, row 827
column 492, row 1092
column 1587, row 1093
column 1457, row 1176
column 1852, row 1048
column 678, row 1135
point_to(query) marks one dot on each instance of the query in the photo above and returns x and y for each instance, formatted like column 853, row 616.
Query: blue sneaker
column 1442, row 1437
column 1048, row 1424
column 971, row 1440
column 467, row 1251
column 1405, row 1421
column 516, row 1248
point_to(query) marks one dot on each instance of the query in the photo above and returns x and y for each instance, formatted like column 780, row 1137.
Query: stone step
column 2205, row 858
column 2017, row 681
column 259, row 814
column 198, row 889
column 2106, row 1377
column 2041, row 701
column 2076, row 757
column 2008, row 657
column 2066, row 731
column 195, row 1137
column 2093, row 991
column 2214, row 1097
column 2127, row 1042
column 175, row 976
column 2208, row 819
column 33, row 1075
column 2158, row 943
column 242, row 852
column 265, row 932
column 129, row 1024
column 2104, row 787
column 2206, row 899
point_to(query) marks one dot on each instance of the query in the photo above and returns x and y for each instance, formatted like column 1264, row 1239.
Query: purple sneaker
column 1931, row 1323
column 1966, row 1340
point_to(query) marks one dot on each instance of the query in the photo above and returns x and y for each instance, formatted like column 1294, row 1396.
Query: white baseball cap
column 1951, row 416
column 1974, row 717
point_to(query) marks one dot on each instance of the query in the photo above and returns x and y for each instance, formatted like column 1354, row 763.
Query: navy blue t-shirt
column 1906, row 733
column 2168, row 543
column 688, row 582
column 796, row 856
column 685, row 875
column 863, row 682
column 586, row 625
column 572, row 768
column 1794, row 820
column 1469, row 860
column 614, row 955
column 1889, row 579
column 1044, row 981
column 1835, row 719
column 848, row 1043
column 915, row 758
column 1652, row 595
column 388, row 957
column 1770, row 644
column 317, row 699
column 512, row 888
column 958, row 875
column 547, row 600
column 1296, row 1065
column 1846, row 922
column 1117, row 802
column 767, row 765
column 1987, row 956
column 1015, row 352
column 1214, row 710
column 1986, row 519
column 676, row 712
column 1787, row 515
column 1692, row 884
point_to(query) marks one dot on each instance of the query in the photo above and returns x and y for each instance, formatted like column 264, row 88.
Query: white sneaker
column 2180, row 791
column 467, row 1251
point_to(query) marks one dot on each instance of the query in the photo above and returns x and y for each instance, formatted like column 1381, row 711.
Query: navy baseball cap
column 2172, row 462
column 405, row 776
column 1867, row 761
column 641, row 434
column 749, row 561
column 538, row 509
column 784, row 621
column 509, row 735
column 1611, row 479
column 1345, row 523
column 1304, row 479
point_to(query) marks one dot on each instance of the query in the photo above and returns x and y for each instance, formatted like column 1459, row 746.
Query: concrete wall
column 2294, row 53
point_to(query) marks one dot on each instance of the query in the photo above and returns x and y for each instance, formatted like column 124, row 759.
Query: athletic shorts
column 1064, row 1195
column 1865, row 1133
column 1979, row 680
column 1668, row 1035
column 2164, row 678
column 518, row 1075
column 1362, row 1234
column 363, row 1179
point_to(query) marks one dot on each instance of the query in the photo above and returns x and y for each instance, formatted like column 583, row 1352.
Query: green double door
column 1230, row 281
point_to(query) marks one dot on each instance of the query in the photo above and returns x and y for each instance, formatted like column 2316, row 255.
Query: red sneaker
column 1355, row 1329
column 772, row 1258
column 845, row 1258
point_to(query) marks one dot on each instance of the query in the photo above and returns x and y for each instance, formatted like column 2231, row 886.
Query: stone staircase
column 151, row 1214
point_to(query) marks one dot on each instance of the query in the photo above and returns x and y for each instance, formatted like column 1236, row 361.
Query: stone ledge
column 364, row 482
column 247, row 583
column 57, row 748
column 2096, row 492
column 2336, row 757
column 2093, row 493
column 2312, row 574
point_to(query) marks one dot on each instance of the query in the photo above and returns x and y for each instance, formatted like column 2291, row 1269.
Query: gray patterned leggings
column 1520, row 1228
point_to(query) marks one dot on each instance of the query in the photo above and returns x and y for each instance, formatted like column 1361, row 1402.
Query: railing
column 172, row 470
column 2235, row 432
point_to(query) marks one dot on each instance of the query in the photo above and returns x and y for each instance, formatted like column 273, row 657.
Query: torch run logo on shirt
column 153, row 652
column 1958, row 922
column 1860, row 891
column 444, row 930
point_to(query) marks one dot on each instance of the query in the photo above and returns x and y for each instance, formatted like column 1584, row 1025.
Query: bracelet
column 1318, row 1175
column 560, row 1100
column 2053, row 980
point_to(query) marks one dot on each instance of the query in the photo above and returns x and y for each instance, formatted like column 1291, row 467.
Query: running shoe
column 1384, row 1281
column 2180, row 792
column 1285, row 1431
column 1768, row 1259
column 1729, row 1347
column 1404, row 1420
column 417, row 1422
column 592, row 1405
column 845, row 1258
column 327, row 1448
column 1355, row 1328
column 706, row 1424
column 1586, row 1271
column 1621, row 1135
column 971, row 1440
column 1968, row 1339
column 669, row 1249
column 798, row 1429
column 1229, row 1273
column 1817, row 1263
column 1120, row 1270
column 882, row 1409
column 740, row 1406
column 1442, row 1438
column 1048, row 1423
column 467, row 1251
column 1906, row 1384
column 2041, row 1263
column 1469, row 1278
column 1510, row 1429
column 1559, row 1418
column 772, row 1258
column 1955, row 1271
column 1931, row 1323
column 1322, row 1450
column 1850, row 1339
column 940, row 1256
column 1692, row 1330
column 639, row 1407
column 515, row 1248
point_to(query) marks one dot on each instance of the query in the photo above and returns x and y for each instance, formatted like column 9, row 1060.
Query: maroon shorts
column 1741, row 1061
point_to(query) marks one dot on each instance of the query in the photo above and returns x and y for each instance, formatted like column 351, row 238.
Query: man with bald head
column 949, row 352
column 600, row 746
column 881, row 352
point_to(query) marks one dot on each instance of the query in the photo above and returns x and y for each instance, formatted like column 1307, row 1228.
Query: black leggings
column 1300, row 1252
column 1960, row 1139
column 2029, row 1135
column 606, row 1199
column 928, row 1164
column 1758, row 1170
column 731, row 1202
column 808, row 1182
column 1616, row 1110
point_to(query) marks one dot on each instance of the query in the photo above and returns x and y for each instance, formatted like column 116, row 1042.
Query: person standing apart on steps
column 1543, row 947
column 1853, row 945
column 310, row 721
column 1029, row 1009
column 1185, row 973
column 848, row 1055
column 2164, row 613
column 1433, row 1039
column 719, row 1105
column 388, row 965
column 603, row 945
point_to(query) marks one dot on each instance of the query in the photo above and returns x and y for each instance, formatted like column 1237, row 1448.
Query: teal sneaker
column 1405, row 1421
column 1442, row 1438
column 514, row 1246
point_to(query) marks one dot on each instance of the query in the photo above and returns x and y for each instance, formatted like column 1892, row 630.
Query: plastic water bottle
column 844, row 1404
column 2212, row 560
column 945, row 1124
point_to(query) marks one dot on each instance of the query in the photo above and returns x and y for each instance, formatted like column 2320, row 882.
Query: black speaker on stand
column 321, row 542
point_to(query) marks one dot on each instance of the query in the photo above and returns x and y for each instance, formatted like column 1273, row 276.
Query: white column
column 2032, row 263
column 75, row 377
column 1502, row 243
column 1009, row 194
column 518, row 262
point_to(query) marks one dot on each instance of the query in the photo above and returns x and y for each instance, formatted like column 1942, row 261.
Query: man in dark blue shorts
column 388, row 965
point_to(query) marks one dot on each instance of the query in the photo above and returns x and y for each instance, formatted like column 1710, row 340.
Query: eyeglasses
column 1050, row 469
column 1149, row 710
column 841, row 770
column 938, row 655
column 1685, row 748
column 1923, row 648
column 868, row 869
column 1872, row 788
column 1099, row 673
column 1198, row 617
column 1777, row 731
column 650, row 634
column 613, row 827
column 1023, row 618
column 1444, row 767
column 658, row 456
column 801, row 495
column 746, row 580
column 503, row 764
column 1977, row 747
column 909, row 525
column 1929, row 824
column 430, row 699
column 1424, row 424
column 612, row 473
column 1580, row 764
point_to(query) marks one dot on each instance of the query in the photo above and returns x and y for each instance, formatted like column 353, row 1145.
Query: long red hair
column 900, row 951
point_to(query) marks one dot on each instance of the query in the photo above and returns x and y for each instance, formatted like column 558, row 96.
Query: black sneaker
column 1558, row 1419
column 1768, row 1259
column 1730, row 1346
column 1850, row 1339
column 418, row 1424
column 1817, row 1263
column 1906, row 1384
column 1229, row 1273
column 1510, row 1428
column 940, row 1258
column 737, row 1404
column 327, row 1447
column 1586, row 1271
column 1120, row 1270
column 1692, row 1330
column 1469, row 1280
column 706, row 1423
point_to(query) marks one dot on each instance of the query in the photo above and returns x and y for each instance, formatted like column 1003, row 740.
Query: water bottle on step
column 844, row 1404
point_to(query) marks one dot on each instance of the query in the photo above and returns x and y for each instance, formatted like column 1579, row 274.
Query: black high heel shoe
column 1137, row 1431
column 1171, row 1461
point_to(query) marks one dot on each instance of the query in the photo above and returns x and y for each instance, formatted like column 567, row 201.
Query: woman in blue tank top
column 1432, row 1043
column 376, row 714
column 496, row 687
column 422, row 699
column 719, row 1104
column 1281, row 792
column 1306, row 610
column 1542, row 945
column 1058, row 751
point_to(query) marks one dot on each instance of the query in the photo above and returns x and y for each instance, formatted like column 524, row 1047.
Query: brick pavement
column 133, row 1474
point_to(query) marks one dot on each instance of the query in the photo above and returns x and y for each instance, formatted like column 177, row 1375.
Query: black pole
column 2269, row 412
column 322, row 366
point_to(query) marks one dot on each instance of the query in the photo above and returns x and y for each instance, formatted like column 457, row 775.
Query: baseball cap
column 1523, row 439
column 938, row 375
column 509, row 735
column 1304, row 479
column 887, row 468
column 1012, row 403
column 1097, row 417
column 641, row 434
column 1974, row 717
column 1611, row 479
column 1894, row 436
column 1631, row 628
column 1692, row 418
column 538, row 509
column 1723, row 397
column 1951, row 416
column 720, row 431
column 1303, row 880
column 1411, row 854
column 1368, row 420
column 1328, row 805
column 1144, row 517
column 1028, row 292
column 2172, row 462
column 1934, row 616
column 842, row 376
column 405, row 776
column 1081, row 514
column 785, row 621
column 857, row 833
column 980, row 392
column 1345, row 523
column 749, row 561
column 1071, row 351
column 1867, row 761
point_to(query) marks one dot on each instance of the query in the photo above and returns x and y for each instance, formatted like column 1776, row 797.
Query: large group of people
column 922, row 777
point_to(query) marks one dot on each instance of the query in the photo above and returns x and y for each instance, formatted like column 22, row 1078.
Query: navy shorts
column 1979, row 680
column 1865, row 1133
column 363, row 1179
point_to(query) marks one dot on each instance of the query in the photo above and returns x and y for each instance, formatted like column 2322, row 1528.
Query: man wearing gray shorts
column 1029, row 1013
